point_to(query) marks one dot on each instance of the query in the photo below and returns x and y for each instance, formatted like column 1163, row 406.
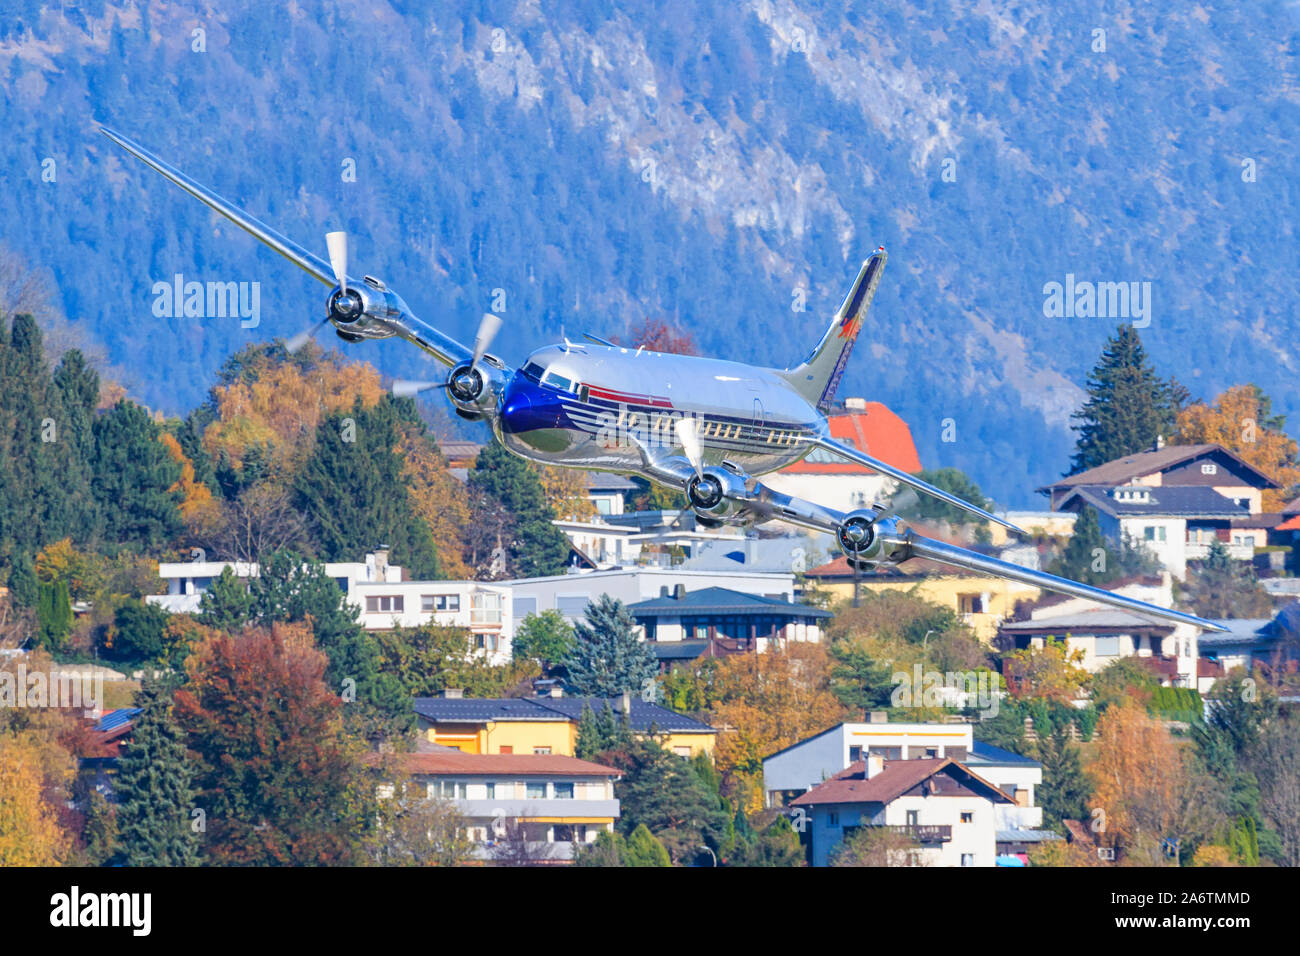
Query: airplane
column 704, row 426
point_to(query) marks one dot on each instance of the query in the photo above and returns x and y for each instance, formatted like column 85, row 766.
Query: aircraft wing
column 852, row 454
column 314, row 266
column 920, row 546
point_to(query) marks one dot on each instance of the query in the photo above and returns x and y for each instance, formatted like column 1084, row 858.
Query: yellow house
column 981, row 601
column 549, row 725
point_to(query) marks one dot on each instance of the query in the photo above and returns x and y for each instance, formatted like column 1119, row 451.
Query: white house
column 946, row 809
column 571, row 593
column 791, row 772
column 619, row 540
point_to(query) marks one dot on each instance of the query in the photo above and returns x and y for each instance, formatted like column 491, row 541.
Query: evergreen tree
column 1128, row 406
column 53, row 615
column 135, row 481
column 139, row 633
column 1092, row 559
column 663, row 792
column 544, row 637
column 956, row 482
column 607, row 659
column 1221, row 587
column 537, row 547
column 599, row 732
column 643, row 849
column 153, row 787
column 226, row 605
column 353, row 490
column 1065, row 788
column 77, row 385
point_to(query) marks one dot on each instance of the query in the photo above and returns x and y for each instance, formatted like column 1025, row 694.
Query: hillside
column 688, row 161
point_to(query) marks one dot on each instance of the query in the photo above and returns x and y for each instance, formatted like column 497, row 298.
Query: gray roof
column 752, row 554
column 1027, row 836
column 608, row 481
column 1120, row 471
column 643, row 716
column 1176, row 501
column 722, row 601
column 1245, row 630
column 1082, row 621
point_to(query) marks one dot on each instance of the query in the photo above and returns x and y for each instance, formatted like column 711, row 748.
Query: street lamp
column 711, row 853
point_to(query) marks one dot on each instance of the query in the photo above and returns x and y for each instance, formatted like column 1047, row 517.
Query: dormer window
column 1209, row 468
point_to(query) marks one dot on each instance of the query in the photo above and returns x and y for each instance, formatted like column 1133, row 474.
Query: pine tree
column 643, row 849
column 1128, row 406
column 53, row 615
column 226, row 605
column 1065, row 788
column 353, row 490
column 155, row 798
column 537, row 548
column 601, row 731
column 1221, row 587
column 663, row 792
column 607, row 659
column 135, row 481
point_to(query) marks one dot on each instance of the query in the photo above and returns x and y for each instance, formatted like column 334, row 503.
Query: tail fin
column 819, row 375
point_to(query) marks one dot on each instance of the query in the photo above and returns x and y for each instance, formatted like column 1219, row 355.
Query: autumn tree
column 30, row 834
column 1152, row 792
column 767, row 702
column 656, row 335
column 879, row 846
column 273, row 771
column 437, row 498
column 1051, row 672
column 419, row 830
column 1242, row 420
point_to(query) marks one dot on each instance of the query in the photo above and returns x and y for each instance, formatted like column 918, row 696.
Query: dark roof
column 897, row 777
column 987, row 753
column 1184, row 501
column 678, row 650
column 721, row 601
column 643, row 520
column 481, row 710
column 1123, row 470
column 457, row 762
column 608, row 481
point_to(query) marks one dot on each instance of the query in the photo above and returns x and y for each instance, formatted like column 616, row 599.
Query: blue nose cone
column 527, row 406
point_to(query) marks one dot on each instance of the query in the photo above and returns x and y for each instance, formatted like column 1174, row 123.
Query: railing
column 930, row 833
column 1199, row 551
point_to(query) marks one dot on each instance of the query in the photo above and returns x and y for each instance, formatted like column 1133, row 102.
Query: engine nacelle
column 719, row 496
column 859, row 539
column 475, row 390
column 364, row 310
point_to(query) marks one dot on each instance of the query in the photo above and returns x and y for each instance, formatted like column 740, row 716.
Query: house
column 1106, row 634
column 548, row 725
column 1176, row 524
column 606, row 491
column 715, row 622
column 571, row 593
column 1167, row 466
column 1272, row 644
column 980, row 600
column 835, row 483
column 560, row 802
column 946, row 808
column 792, row 772
column 622, row 539
column 381, row 595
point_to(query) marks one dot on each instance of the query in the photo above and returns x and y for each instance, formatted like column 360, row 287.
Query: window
column 491, row 788
column 832, row 819
column 1209, row 468
column 455, row 789
column 485, row 607
column 1107, row 646
column 931, row 753
column 535, row 791
column 533, row 370
column 1154, row 532
column 541, row 750
column 572, row 605
column 522, row 607
column 385, row 604
column 564, row 791
column 440, row 602
column 968, row 816
column 855, row 754
column 485, row 642
column 558, row 381
column 913, row 818
column 968, row 859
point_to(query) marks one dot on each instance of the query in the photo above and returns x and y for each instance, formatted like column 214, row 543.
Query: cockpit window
column 534, row 371
column 559, row 381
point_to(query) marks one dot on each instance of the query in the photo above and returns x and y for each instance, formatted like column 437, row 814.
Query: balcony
column 1200, row 550
column 924, row 834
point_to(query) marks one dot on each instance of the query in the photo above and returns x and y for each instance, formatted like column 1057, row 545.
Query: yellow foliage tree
column 1242, row 421
column 566, row 491
column 1050, row 672
column 279, row 403
column 764, row 702
column 196, row 500
column 439, row 500
column 30, row 834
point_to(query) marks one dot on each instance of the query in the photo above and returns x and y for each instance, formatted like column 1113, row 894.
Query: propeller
column 488, row 327
column 690, row 439
column 903, row 501
column 338, row 248
column 407, row 389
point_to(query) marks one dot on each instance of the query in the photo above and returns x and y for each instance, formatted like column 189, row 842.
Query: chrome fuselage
column 614, row 409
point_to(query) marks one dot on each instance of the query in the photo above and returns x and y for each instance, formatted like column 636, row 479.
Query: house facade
column 559, row 803
column 549, row 725
column 942, row 806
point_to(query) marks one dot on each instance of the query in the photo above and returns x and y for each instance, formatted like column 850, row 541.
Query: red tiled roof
column 458, row 762
column 875, row 430
column 1291, row 524
column 897, row 777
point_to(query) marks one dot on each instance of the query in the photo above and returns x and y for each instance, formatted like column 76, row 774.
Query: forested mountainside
column 724, row 167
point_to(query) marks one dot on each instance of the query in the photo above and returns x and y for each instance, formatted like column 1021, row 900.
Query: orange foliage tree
column 1242, row 420
column 30, row 834
column 438, row 499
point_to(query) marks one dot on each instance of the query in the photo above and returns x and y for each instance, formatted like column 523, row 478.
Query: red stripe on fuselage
column 613, row 396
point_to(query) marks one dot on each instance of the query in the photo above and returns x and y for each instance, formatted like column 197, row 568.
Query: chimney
column 625, row 705
column 557, row 691
column 381, row 563
column 663, row 590
column 679, row 592
column 453, row 693
column 879, row 717
column 1160, row 442
column 875, row 764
